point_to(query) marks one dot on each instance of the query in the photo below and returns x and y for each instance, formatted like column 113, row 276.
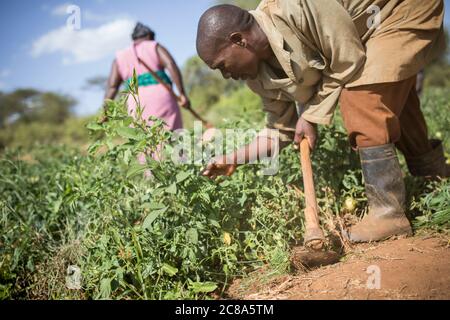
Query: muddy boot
column 385, row 192
column 430, row 165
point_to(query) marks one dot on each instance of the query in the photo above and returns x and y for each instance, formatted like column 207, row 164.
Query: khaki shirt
column 326, row 45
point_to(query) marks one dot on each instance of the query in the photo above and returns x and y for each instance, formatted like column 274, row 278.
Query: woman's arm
column 112, row 87
column 114, row 82
column 169, row 63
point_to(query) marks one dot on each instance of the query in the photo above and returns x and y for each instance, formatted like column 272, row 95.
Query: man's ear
column 238, row 39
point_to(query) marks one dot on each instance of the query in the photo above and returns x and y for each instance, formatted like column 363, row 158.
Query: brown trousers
column 385, row 113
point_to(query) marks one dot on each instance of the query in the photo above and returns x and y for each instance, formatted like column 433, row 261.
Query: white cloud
column 85, row 45
column 2, row 86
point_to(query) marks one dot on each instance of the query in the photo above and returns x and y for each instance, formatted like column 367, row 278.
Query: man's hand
column 184, row 101
column 306, row 130
column 219, row 166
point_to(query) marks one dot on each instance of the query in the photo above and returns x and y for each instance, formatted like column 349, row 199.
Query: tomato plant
column 159, row 230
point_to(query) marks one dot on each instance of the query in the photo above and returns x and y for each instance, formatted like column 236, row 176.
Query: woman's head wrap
column 142, row 31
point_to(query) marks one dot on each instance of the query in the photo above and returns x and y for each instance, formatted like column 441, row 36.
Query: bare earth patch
column 412, row 268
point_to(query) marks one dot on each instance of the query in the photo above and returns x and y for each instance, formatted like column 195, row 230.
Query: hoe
column 315, row 252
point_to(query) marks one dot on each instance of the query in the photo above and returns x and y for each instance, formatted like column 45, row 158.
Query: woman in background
column 155, row 99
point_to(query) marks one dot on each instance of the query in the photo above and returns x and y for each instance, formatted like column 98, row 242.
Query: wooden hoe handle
column 314, row 236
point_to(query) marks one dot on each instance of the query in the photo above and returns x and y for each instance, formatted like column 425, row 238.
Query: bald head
column 217, row 24
column 230, row 40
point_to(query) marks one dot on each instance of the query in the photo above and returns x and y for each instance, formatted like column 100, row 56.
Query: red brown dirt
column 412, row 268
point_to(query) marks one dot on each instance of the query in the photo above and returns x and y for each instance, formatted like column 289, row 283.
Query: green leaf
column 171, row 271
column 129, row 133
column 94, row 147
column 182, row 176
column 152, row 217
column 153, row 206
column 110, row 144
column 203, row 287
column 127, row 156
column 94, row 126
column 205, row 197
column 135, row 170
column 172, row 189
column 57, row 205
column 215, row 223
column 192, row 236
column 243, row 199
column 105, row 289
column 225, row 184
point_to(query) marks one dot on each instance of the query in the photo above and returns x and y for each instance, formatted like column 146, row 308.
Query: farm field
column 91, row 223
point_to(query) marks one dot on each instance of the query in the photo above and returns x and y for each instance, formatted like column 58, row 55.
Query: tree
column 14, row 105
column 30, row 105
column 205, row 86
column 96, row 83
column 53, row 108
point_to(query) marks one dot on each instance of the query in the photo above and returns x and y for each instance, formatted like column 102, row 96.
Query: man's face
column 235, row 61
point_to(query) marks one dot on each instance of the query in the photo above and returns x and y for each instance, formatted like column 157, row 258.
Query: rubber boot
column 385, row 191
column 430, row 165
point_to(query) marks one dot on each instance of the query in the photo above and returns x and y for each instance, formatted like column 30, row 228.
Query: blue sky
column 39, row 51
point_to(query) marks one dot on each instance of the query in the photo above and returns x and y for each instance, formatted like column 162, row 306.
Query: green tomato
column 350, row 204
column 227, row 238
column 33, row 179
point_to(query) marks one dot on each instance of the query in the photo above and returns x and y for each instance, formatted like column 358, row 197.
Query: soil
column 411, row 268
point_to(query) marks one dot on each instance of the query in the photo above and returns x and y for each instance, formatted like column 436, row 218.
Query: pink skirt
column 156, row 101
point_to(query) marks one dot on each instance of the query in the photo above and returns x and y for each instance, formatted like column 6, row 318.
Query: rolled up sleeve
column 281, row 116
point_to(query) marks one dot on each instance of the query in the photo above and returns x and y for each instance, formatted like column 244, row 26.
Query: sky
column 45, row 46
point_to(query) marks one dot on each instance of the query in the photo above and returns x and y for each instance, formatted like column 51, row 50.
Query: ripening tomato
column 227, row 238
column 350, row 204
